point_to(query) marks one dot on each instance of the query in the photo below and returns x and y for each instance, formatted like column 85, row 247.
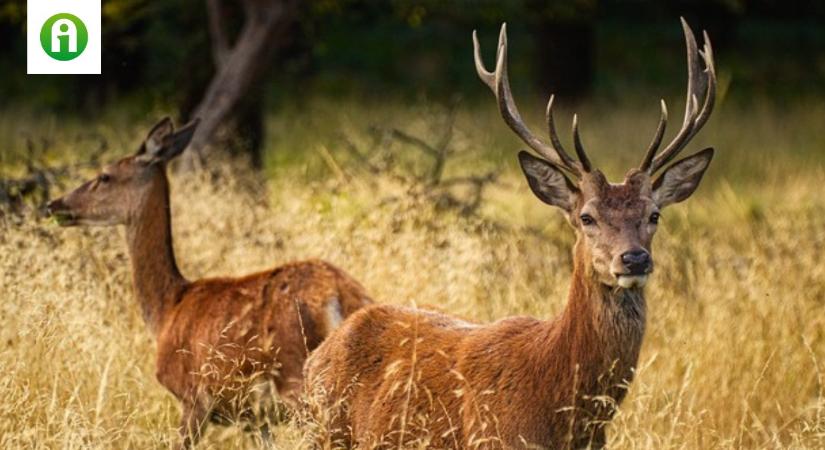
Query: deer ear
column 164, row 144
column 679, row 180
column 176, row 143
column 548, row 182
column 154, row 140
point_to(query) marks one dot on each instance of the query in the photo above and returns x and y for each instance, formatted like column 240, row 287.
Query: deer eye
column 587, row 219
column 104, row 178
column 654, row 218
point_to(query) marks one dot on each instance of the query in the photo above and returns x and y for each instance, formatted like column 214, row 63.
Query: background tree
column 213, row 58
column 238, row 66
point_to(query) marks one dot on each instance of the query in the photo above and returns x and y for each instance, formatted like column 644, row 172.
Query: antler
column 499, row 83
column 701, row 83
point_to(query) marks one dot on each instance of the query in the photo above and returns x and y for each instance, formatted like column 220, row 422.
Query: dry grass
column 734, row 355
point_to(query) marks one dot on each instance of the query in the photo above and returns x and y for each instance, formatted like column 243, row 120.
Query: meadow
column 734, row 354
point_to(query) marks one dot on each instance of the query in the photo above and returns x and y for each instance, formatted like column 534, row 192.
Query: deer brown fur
column 396, row 377
column 223, row 344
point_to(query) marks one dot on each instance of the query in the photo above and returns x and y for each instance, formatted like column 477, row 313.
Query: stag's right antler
column 701, row 83
column 500, row 85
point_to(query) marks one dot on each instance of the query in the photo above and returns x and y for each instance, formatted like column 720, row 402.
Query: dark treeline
column 164, row 53
column 162, row 48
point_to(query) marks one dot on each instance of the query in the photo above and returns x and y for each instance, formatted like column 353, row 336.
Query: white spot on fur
column 334, row 314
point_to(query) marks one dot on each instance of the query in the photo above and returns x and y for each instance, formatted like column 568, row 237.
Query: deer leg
column 192, row 422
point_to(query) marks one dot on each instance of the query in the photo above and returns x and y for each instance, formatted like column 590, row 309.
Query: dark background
column 158, row 54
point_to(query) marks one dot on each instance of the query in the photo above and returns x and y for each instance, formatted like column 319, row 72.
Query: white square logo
column 63, row 37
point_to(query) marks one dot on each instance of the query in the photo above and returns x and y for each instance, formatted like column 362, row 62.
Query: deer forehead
column 129, row 162
column 121, row 166
column 616, row 200
column 129, row 167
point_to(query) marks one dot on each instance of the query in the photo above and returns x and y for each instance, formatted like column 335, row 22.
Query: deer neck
column 155, row 275
column 601, row 327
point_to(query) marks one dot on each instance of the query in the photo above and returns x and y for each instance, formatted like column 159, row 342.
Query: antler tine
column 693, row 71
column 551, row 128
column 710, row 86
column 499, row 83
column 488, row 78
column 701, row 83
column 657, row 139
column 577, row 142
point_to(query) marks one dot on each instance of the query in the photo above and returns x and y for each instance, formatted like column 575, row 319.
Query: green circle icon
column 64, row 37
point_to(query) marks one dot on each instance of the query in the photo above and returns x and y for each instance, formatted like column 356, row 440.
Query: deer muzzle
column 61, row 213
column 636, row 265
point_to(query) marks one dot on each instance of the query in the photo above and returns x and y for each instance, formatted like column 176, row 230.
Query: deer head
column 118, row 193
column 614, row 223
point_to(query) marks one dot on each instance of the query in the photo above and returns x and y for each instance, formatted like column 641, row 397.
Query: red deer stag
column 394, row 376
column 221, row 342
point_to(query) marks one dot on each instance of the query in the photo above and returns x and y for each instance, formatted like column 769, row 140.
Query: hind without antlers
column 222, row 343
column 394, row 376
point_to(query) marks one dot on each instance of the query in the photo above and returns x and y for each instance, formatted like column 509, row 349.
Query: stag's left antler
column 701, row 83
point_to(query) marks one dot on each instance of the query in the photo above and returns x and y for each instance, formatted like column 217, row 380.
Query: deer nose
column 637, row 262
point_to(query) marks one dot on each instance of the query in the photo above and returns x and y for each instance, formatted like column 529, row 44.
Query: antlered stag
column 394, row 376
column 222, row 343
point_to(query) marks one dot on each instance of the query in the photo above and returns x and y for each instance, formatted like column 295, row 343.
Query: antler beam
column 701, row 84
column 499, row 83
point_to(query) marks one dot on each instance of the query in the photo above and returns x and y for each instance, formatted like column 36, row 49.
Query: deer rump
column 231, row 343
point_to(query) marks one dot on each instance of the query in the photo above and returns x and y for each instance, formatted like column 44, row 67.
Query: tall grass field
column 734, row 352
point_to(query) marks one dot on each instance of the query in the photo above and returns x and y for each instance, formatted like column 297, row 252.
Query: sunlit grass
column 734, row 355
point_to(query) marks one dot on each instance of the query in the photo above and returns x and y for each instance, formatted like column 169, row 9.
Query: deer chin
column 631, row 281
column 67, row 219
column 64, row 219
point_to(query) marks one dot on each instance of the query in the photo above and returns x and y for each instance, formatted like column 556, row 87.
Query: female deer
column 393, row 376
column 221, row 342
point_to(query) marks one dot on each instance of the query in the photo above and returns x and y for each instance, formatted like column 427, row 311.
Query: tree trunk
column 236, row 67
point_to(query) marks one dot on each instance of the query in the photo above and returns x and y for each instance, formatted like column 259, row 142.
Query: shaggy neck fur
column 600, row 333
column 155, row 275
